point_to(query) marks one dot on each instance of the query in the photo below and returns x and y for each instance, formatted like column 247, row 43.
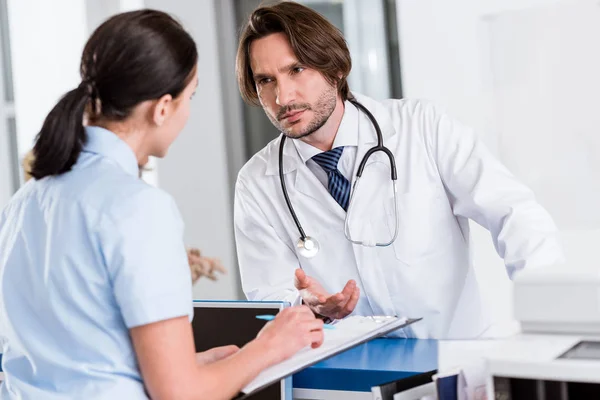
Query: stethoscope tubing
column 379, row 147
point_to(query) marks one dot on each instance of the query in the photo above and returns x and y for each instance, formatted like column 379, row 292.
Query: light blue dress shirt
column 85, row 256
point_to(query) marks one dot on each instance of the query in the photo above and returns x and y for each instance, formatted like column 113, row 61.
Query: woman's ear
column 162, row 109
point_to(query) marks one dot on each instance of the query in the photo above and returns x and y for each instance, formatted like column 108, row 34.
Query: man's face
column 298, row 100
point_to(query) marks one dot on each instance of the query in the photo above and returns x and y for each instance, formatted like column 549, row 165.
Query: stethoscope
column 307, row 246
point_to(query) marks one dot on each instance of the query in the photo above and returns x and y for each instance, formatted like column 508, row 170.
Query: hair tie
column 92, row 92
column 89, row 86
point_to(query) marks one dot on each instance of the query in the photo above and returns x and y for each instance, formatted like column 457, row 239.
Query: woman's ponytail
column 62, row 136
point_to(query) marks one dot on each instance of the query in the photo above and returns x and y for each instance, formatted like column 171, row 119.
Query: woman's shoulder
column 139, row 199
column 116, row 195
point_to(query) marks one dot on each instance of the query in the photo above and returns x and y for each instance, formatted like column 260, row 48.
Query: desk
column 350, row 375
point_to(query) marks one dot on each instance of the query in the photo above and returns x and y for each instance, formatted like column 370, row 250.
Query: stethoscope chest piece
column 307, row 247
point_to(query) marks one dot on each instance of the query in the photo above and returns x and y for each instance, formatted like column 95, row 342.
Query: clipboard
column 348, row 333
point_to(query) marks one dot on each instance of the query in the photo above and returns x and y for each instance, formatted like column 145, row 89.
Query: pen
column 272, row 317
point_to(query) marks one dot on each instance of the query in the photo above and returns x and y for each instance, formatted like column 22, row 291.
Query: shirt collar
column 347, row 134
column 105, row 143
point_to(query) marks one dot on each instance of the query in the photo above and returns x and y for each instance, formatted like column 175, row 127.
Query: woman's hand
column 292, row 329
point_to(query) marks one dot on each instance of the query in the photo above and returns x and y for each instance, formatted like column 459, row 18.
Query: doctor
column 294, row 64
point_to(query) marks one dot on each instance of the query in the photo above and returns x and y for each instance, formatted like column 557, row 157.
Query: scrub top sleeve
column 146, row 259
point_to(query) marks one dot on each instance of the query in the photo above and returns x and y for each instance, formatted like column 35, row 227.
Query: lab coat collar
column 382, row 116
column 105, row 143
column 292, row 157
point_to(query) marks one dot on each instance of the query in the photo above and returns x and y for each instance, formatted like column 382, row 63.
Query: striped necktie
column 338, row 185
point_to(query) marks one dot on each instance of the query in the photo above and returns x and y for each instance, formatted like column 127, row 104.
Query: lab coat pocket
column 421, row 227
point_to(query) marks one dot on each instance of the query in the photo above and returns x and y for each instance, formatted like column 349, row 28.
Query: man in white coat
column 294, row 63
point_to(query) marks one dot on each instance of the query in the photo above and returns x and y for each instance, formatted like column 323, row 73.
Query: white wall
column 195, row 171
column 45, row 55
column 456, row 54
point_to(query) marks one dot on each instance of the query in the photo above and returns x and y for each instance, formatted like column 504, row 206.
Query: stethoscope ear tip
column 307, row 247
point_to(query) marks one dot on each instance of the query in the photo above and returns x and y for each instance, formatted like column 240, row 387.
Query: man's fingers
column 351, row 305
column 339, row 305
column 301, row 281
column 337, row 300
column 336, row 303
column 349, row 288
column 333, row 304
column 342, row 304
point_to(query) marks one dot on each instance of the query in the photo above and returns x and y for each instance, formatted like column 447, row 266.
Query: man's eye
column 297, row 70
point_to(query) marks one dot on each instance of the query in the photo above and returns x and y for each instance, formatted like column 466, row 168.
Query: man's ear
column 162, row 109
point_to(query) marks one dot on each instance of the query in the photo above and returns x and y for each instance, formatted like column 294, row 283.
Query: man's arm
column 483, row 189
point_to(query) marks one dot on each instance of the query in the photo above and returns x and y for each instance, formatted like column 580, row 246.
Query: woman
column 95, row 294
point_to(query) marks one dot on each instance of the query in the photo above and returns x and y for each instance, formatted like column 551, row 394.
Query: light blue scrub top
column 86, row 256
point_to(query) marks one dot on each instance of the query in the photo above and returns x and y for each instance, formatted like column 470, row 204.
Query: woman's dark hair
column 132, row 57
column 316, row 43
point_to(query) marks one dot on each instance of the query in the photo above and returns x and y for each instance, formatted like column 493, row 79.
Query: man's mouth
column 292, row 115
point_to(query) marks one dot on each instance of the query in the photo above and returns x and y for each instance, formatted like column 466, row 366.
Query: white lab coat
column 445, row 177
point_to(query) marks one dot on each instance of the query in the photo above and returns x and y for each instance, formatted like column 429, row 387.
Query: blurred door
column 10, row 178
